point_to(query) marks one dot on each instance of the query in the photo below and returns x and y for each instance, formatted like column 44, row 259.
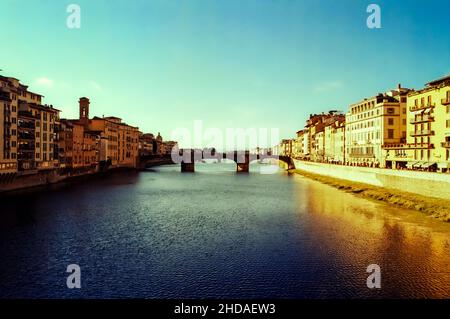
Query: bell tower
column 84, row 110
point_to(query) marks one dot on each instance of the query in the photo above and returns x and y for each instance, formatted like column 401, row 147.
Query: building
column 284, row 148
column 314, row 146
column 319, row 146
column 65, row 144
column 28, row 132
column 428, row 125
column 8, row 141
column 12, row 92
column 147, row 144
column 373, row 122
column 128, row 143
column 168, row 146
column 335, row 142
column 106, row 140
column 298, row 146
column 159, row 145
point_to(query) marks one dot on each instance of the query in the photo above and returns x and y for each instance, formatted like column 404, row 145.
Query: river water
column 215, row 234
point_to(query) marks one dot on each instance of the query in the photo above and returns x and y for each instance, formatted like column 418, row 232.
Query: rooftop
column 438, row 81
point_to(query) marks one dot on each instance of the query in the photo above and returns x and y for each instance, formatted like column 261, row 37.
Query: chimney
column 399, row 86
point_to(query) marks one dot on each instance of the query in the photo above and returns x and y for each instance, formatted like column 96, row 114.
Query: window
column 13, row 155
column 13, row 132
column 390, row 133
column 429, row 100
column 447, row 124
column 403, row 100
column 13, row 144
column 38, row 155
column 404, row 121
column 390, row 121
column 390, row 110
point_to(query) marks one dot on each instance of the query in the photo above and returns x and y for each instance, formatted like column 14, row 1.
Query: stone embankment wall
column 423, row 183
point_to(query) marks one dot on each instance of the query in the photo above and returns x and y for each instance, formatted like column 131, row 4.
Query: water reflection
column 216, row 234
column 415, row 259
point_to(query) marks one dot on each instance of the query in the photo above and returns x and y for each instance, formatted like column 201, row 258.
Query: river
column 215, row 234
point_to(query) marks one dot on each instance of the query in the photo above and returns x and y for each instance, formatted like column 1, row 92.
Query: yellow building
column 12, row 92
column 335, row 142
column 428, row 141
column 298, row 149
column 8, row 142
column 36, row 134
column 128, row 142
column 117, row 144
column 28, row 128
column 373, row 122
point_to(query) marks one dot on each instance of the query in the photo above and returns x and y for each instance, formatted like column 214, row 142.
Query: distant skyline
column 161, row 65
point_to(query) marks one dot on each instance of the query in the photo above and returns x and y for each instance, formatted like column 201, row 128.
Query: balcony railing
column 445, row 101
column 408, row 146
column 421, row 107
column 421, row 133
column 446, row 144
column 26, row 125
column 27, row 114
column 422, row 119
column 24, row 136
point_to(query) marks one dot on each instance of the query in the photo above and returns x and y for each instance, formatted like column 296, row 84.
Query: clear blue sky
column 231, row 63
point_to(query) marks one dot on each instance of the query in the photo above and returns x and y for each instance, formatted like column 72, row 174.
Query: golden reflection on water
column 413, row 250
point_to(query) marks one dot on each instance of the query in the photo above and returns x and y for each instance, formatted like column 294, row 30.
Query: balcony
column 25, row 136
column 421, row 107
column 27, row 114
column 408, row 146
column 446, row 101
column 422, row 119
column 446, row 144
column 421, row 133
column 26, row 125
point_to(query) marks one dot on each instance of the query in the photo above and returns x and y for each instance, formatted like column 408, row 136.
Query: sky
column 162, row 65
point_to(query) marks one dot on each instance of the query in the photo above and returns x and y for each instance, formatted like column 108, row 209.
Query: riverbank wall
column 422, row 183
column 38, row 178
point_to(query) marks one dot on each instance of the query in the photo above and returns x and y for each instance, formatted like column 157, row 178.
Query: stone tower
column 84, row 110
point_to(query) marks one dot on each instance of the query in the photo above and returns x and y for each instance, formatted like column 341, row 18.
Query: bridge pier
column 188, row 162
column 242, row 167
column 242, row 161
column 187, row 167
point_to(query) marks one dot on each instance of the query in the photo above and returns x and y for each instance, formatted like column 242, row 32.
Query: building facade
column 428, row 126
column 373, row 122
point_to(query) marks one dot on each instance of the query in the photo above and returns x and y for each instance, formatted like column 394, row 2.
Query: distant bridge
column 188, row 157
